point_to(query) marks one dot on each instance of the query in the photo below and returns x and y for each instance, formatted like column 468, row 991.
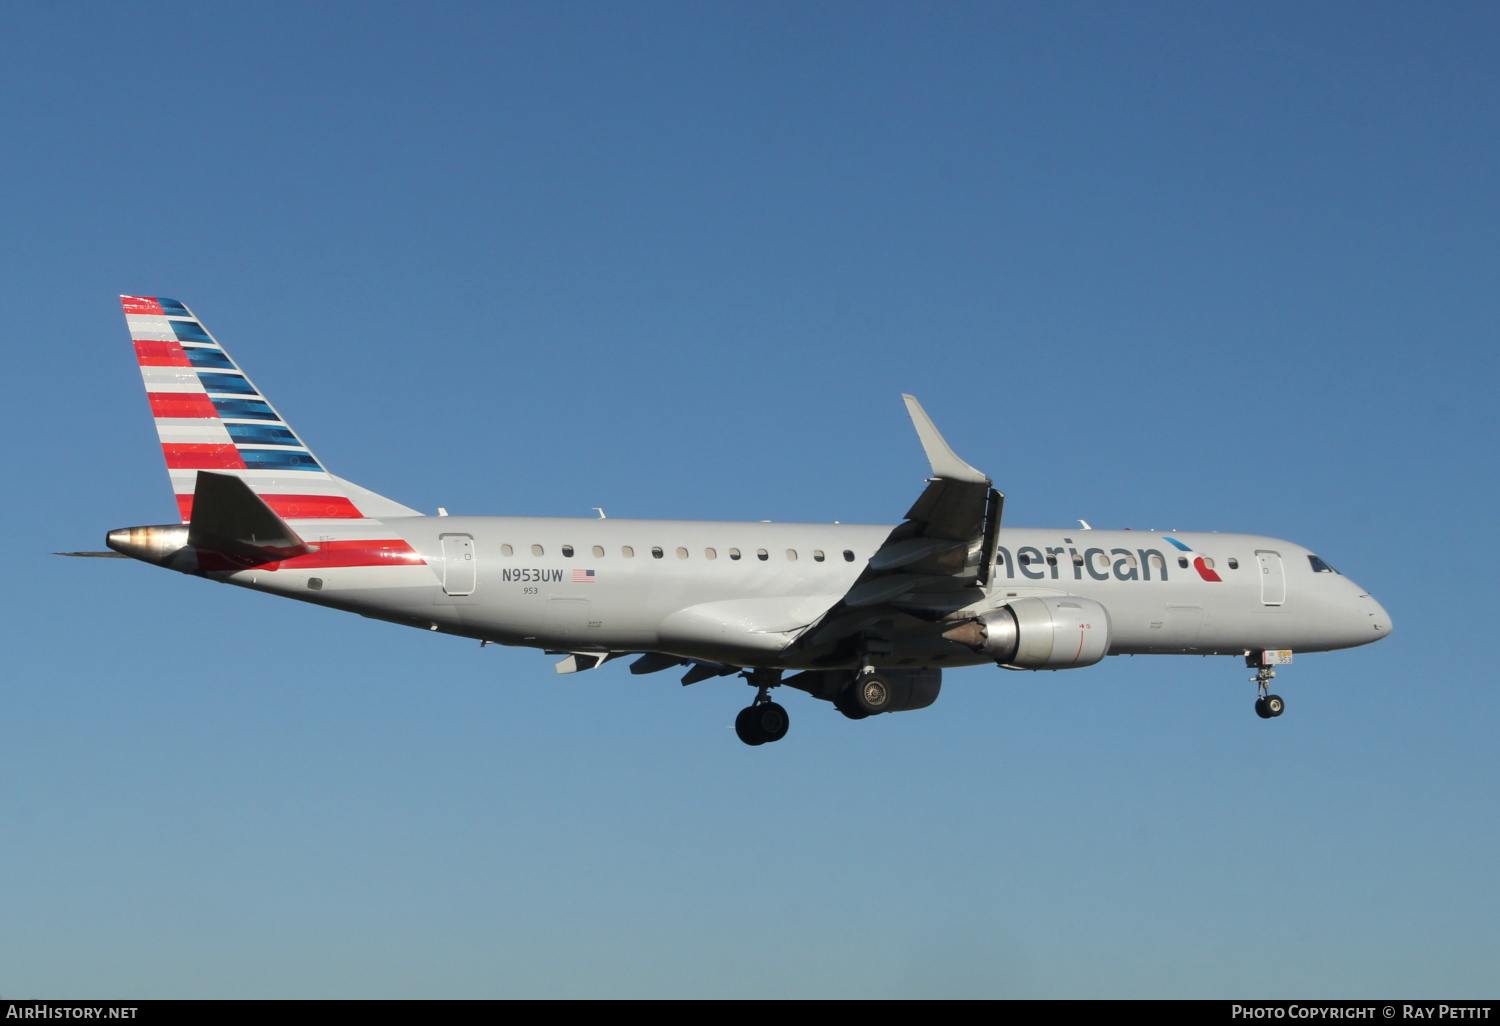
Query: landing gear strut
column 1267, row 705
column 762, row 721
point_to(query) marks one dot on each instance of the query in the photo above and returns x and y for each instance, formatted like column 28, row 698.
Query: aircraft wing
column 931, row 565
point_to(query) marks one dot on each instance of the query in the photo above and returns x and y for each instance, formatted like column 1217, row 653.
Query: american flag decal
column 583, row 577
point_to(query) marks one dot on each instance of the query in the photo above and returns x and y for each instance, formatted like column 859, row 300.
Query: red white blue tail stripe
column 210, row 416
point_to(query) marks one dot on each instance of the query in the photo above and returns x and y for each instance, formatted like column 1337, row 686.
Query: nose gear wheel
column 1269, row 707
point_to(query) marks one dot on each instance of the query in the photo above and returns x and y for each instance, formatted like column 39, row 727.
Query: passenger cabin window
column 506, row 550
column 1234, row 564
column 656, row 552
column 681, row 553
column 1182, row 562
column 1156, row 563
column 734, row 553
column 1025, row 559
column 817, row 555
column 536, row 550
column 762, row 555
column 791, row 555
column 1208, row 562
column 627, row 551
column 1320, row 567
column 848, row 555
column 567, row 551
column 710, row 554
column 598, row 551
column 1052, row 561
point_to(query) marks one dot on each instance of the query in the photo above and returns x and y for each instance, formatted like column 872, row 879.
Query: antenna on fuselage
column 601, row 513
column 1085, row 524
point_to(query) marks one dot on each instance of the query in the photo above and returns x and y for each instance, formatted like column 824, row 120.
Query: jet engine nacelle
column 1039, row 633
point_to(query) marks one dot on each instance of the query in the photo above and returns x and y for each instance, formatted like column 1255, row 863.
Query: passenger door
column 460, row 568
column 1272, row 578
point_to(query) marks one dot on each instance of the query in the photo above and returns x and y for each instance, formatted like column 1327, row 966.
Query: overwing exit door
column 459, row 566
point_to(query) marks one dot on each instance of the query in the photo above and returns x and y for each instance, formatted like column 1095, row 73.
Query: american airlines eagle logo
column 1204, row 570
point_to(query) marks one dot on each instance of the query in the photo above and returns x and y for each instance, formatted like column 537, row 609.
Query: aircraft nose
column 1378, row 619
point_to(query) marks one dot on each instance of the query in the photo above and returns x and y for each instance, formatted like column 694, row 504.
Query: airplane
column 864, row 617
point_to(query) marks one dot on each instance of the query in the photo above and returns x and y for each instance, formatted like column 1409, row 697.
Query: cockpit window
column 1320, row 567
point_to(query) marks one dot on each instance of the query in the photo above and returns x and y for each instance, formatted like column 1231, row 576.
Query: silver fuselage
column 696, row 601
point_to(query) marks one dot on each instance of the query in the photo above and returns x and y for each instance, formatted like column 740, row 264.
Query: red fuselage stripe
column 394, row 552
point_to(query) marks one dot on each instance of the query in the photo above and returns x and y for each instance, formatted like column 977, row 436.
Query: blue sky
column 1200, row 267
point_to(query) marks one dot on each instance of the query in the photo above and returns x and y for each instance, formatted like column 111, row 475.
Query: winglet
column 944, row 463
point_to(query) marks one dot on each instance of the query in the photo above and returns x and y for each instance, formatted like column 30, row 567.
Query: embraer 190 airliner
column 864, row 617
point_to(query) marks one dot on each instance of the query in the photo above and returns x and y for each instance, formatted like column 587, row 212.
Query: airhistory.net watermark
column 46, row 1010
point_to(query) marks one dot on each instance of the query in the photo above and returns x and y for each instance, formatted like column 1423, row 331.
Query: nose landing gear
column 1267, row 705
column 762, row 721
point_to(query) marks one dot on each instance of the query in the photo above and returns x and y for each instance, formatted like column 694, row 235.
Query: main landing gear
column 867, row 694
column 1267, row 705
column 762, row 721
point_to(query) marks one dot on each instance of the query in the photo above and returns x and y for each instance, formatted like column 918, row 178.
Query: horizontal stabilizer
column 229, row 517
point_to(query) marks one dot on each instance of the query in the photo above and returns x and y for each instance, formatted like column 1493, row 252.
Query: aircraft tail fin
column 209, row 416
